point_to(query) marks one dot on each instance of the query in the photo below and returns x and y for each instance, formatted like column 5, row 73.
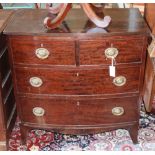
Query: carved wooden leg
column 51, row 21
column 89, row 9
column 24, row 130
column 134, row 133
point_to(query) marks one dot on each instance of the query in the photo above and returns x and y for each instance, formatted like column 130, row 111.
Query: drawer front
column 92, row 52
column 41, row 50
column 78, row 112
column 75, row 82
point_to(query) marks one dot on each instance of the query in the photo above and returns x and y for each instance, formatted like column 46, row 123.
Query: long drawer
column 69, row 111
column 77, row 81
column 43, row 50
column 92, row 52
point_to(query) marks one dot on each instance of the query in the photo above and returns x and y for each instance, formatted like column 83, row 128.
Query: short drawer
column 92, row 52
column 56, row 111
column 77, row 81
column 41, row 50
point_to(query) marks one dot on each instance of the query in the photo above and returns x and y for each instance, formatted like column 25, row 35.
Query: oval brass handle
column 119, row 81
column 42, row 53
column 111, row 52
column 38, row 111
column 118, row 111
column 36, row 81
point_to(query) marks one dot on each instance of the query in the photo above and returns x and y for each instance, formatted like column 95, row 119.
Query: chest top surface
column 30, row 22
column 4, row 16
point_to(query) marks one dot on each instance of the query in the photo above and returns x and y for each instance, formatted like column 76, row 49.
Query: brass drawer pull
column 119, row 81
column 42, row 53
column 111, row 52
column 118, row 111
column 38, row 111
column 36, row 81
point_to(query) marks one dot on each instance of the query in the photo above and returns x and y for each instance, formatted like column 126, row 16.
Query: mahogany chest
column 61, row 76
column 7, row 100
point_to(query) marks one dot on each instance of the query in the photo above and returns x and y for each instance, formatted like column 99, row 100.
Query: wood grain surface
column 77, row 92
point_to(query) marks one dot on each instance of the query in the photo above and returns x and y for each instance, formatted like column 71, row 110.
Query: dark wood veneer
column 61, row 51
column 129, row 47
column 77, row 81
column 124, row 22
column 76, row 112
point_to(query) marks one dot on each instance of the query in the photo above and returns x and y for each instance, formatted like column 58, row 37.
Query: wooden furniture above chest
column 61, row 76
column 150, row 16
column 149, row 82
column 7, row 101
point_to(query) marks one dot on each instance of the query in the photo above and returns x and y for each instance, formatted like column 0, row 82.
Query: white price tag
column 112, row 71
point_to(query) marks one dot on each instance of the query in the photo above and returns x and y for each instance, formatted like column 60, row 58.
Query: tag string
column 112, row 61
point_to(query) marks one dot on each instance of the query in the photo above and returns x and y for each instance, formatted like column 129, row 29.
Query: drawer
column 71, row 111
column 76, row 81
column 41, row 50
column 92, row 52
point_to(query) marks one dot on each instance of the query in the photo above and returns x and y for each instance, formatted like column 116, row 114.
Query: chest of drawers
column 61, row 76
column 7, row 101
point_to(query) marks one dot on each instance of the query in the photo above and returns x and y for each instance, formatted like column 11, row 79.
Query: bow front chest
column 78, row 78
